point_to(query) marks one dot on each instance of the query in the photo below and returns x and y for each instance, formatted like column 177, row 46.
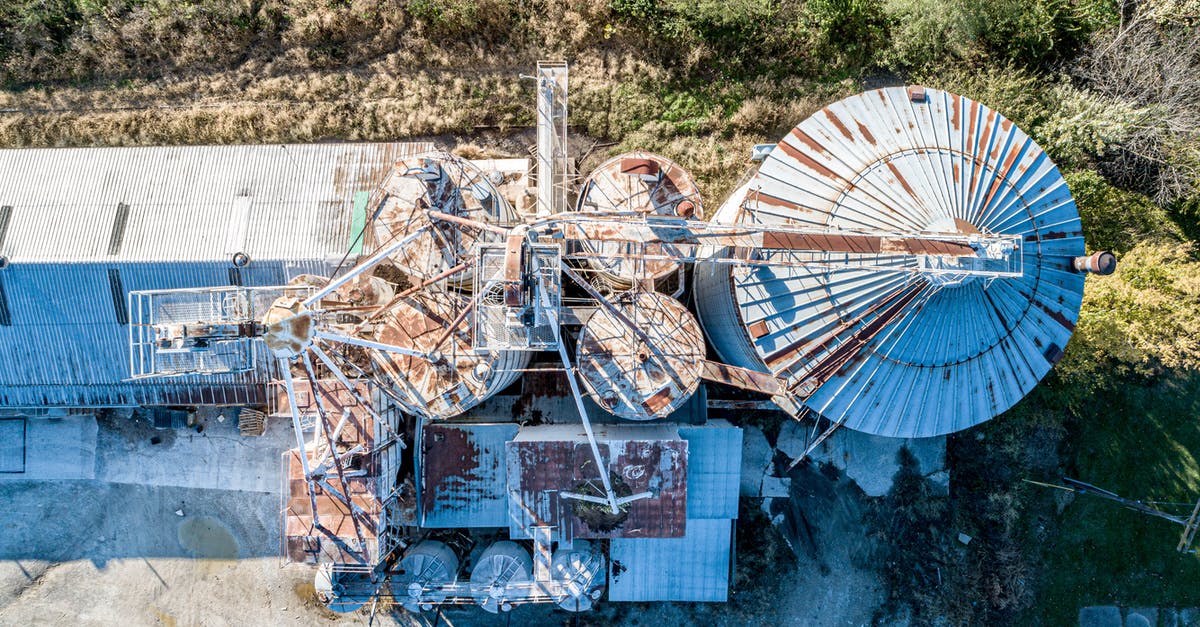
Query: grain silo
column 640, row 356
column 936, row 345
column 423, row 347
column 423, row 576
column 636, row 184
column 437, row 183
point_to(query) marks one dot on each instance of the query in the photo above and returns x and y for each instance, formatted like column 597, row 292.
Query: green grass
column 1142, row 442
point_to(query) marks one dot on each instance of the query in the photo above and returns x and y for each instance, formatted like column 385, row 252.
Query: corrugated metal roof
column 183, row 201
column 714, row 469
column 692, row 568
column 545, row 460
column 901, row 354
column 464, row 482
column 89, row 225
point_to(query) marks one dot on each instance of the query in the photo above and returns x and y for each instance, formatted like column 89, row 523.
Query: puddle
column 206, row 538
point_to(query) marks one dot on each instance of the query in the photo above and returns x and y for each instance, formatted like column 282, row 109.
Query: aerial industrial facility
column 498, row 373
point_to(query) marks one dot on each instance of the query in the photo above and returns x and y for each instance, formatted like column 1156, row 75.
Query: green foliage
column 1081, row 126
column 846, row 32
column 1025, row 33
column 1139, row 322
column 1115, row 219
column 1140, row 441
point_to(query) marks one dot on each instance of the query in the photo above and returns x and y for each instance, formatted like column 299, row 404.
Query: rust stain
column 899, row 177
column 1057, row 316
column 956, row 110
column 838, row 124
column 806, row 160
column 865, row 133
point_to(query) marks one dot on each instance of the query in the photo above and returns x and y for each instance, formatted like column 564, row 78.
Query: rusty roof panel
column 463, row 475
column 544, row 461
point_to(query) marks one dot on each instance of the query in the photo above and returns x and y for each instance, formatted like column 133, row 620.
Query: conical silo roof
column 910, row 354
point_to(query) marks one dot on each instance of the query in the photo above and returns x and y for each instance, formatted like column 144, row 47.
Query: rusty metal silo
column 425, row 349
column 446, row 184
column 641, row 359
column 636, row 183
column 920, row 351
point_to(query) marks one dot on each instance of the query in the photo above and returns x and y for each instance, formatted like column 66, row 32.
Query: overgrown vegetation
column 1110, row 89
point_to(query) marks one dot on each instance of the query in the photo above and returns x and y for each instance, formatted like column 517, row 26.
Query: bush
column 846, row 33
column 1139, row 321
column 1115, row 219
column 1025, row 33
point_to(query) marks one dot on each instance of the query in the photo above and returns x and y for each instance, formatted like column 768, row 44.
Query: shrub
column 1116, row 219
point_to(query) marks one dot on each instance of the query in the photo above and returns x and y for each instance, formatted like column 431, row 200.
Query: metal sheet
column 545, row 460
column 714, row 469
column 692, row 568
column 949, row 354
column 463, row 475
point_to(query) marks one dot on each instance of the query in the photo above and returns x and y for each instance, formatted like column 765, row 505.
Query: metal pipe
column 345, row 339
column 371, row 262
column 1102, row 263
column 577, row 395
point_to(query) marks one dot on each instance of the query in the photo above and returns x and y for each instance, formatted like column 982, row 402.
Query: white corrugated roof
column 692, row 568
column 187, row 203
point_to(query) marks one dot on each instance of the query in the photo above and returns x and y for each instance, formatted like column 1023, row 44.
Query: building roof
column 714, row 469
column 692, row 568
column 82, row 227
column 546, row 460
column 463, row 477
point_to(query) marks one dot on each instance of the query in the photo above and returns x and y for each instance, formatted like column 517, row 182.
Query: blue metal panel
column 463, row 475
column 692, row 568
column 714, row 469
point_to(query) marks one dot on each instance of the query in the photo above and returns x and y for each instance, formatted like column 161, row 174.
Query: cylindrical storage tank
column 713, row 285
column 914, row 351
column 640, row 183
column 420, row 579
column 450, row 377
column 448, row 184
column 645, row 373
column 577, row 576
column 502, row 577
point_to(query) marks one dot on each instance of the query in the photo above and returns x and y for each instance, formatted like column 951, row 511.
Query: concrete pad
column 1100, row 616
column 219, row 458
column 792, row 438
column 1142, row 617
column 870, row 460
column 756, row 458
column 56, row 448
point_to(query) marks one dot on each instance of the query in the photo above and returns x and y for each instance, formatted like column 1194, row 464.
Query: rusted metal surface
column 453, row 188
column 640, row 183
column 463, row 479
column 646, row 375
column 349, row 512
column 452, row 377
column 743, row 378
column 547, row 460
column 906, row 355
